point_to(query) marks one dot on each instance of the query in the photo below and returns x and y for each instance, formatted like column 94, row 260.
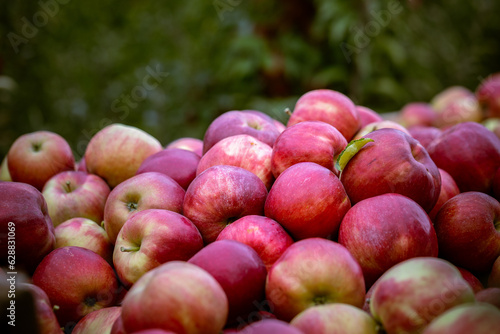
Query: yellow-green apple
column 268, row 238
column 308, row 200
column 77, row 281
column 449, row 189
column 236, row 122
column 473, row 281
column 490, row 296
column 241, row 151
column 150, row 238
column 220, row 195
column 99, row 321
column 384, row 230
column 187, row 143
column 150, row 190
column 367, row 116
column 35, row 157
column 270, row 326
column 417, row 114
column 176, row 296
column 414, row 292
column 468, row 231
column 470, row 153
column 26, row 231
column 456, row 105
column 386, row 124
column 73, row 194
column 335, row 318
column 494, row 276
column 488, row 95
column 83, row 232
column 310, row 272
column 309, row 141
column 424, row 134
column 393, row 162
column 177, row 163
column 4, row 171
column 116, row 152
column 328, row 106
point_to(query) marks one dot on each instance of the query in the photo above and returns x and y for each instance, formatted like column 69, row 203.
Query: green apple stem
column 129, row 249
column 67, row 186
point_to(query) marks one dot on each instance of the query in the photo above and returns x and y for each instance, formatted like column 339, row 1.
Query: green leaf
column 351, row 149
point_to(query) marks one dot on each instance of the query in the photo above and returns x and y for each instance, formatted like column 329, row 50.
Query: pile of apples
column 339, row 222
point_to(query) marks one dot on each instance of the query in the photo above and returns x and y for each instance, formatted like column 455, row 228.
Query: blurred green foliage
column 73, row 67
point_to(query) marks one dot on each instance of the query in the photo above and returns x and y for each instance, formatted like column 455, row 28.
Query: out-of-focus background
column 171, row 67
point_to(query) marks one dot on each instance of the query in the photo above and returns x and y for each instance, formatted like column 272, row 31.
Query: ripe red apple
column 417, row 114
column 424, row 134
column 456, row 105
column 468, row 231
column 99, row 321
column 384, row 230
column 280, row 126
column 449, row 189
column 490, row 296
column 4, row 171
column 152, row 237
column 187, row 143
column 150, row 190
column 221, row 195
column 488, row 95
column 367, row 116
column 117, row 151
column 81, row 166
column 176, row 296
column 473, row 281
column 379, row 125
column 310, row 272
column 35, row 157
column 270, row 326
column 494, row 276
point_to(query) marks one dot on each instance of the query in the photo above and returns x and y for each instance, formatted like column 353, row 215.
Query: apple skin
column 149, row 190
column 176, row 296
column 4, row 170
column 404, row 301
column 240, row 272
column 490, row 296
column 152, row 237
column 308, row 200
column 386, row 124
column 308, row 141
column 81, row 166
column 417, row 114
column 334, row 318
column 468, row 231
column 449, row 189
column 154, row 331
column 312, row 272
column 367, row 116
column 75, row 194
column 77, row 280
column 221, row 195
column 328, row 106
column 117, row 151
column 99, row 321
column 384, row 230
column 23, row 205
column 117, row 327
column 425, row 134
column 456, row 105
column 393, row 163
column 488, row 95
column 473, row 281
column 267, row 237
column 280, row 126
column 494, row 276
column 270, row 326
column 35, row 157
column 187, row 143
column 241, row 151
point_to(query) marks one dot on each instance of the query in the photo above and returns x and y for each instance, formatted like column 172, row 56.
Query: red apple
column 187, row 143
column 494, row 276
column 424, row 134
column 473, row 281
column 379, row 125
column 270, row 326
column 367, row 116
column 280, row 126
column 449, row 189
column 488, row 95
column 490, row 296
column 417, row 114
column 153, row 331
column 81, row 166
column 117, row 327
column 4, row 171
column 455, row 105
column 99, row 321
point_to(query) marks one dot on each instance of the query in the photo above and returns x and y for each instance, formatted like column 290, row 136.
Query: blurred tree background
column 170, row 68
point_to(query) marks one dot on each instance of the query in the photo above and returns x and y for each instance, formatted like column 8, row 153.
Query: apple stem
column 68, row 186
column 288, row 111
column 129, row 249
column 55, row 307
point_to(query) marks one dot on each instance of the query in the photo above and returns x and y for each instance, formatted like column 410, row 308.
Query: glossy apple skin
column 404, row 301
column 449, row 189
column 270, row 326
column 456, row 105
column 308, row 200
column 117, row 151
column 488, row 95
column 386, row 124
column 424, row 134
column 311, row 272
column 473, row 281
column 417, row 114
column 159, row 236
column 75, row 194
column 150, row 190
column 187, row 143
column 24, row 206
column 308, row 141
column 176, row 296
column 78, row 281
column 384, row 230
column 267, row 237
column 393, row 163
column 367, row 116
column 494, row 276
column 45, row 318
column 328, row 106
column 35, row 157
column 100, row 321
column 490, row 296
column 468, row 231
column 470, row 153
column 177, row 163
column 241, row 151
column 221, row 195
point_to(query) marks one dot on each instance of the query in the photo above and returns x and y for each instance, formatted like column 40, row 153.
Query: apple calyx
column 350, row 151
column 129, row 249
column 320, row 300
column 132, row 206
column 36, row 147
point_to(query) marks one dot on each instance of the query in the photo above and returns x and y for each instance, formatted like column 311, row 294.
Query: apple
column 177, row 163
column 417, row 113
column 99, row 321
column 268, row 238
column 367, row 116
column 150, row 190
column 117, row 151
column 311, row 272
column 270, row 326
column 77, row 281
column 81, row 166
column 425, row 134
column 241, row 151
column 176, row 296
column 468, row 231
column 490, row 296
column 308, row 141
column 153, row 331
column 492, row 124
column 308, row 200
column 473, row 281
column 26, row 231
column 328, row 106
column 386, row 124
column 117, row 327
column 449, row 189
column 488, row 95
column 280, row 126
column 494, row 276
column 4, row 171
column 152, row 237
column 73, row 194
column 414, row 292
column 455, row 105
column 187, row 143
column 35, row 157
column 384, row 230
column 220, row 195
